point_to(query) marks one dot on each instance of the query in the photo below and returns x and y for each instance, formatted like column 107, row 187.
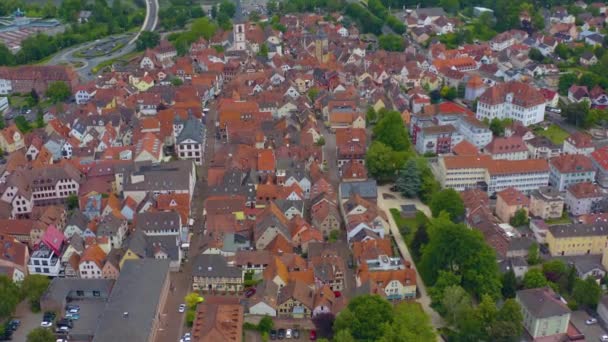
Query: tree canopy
column 408, row 181
column 58, row 91
column 410, row 323
column 390, row 131
column 447, row 200
column 455, row 248
column 364, row 317
column 41, row 335
column 33, row 287
column 147, row 40
column 9, row 296
column 382, row 161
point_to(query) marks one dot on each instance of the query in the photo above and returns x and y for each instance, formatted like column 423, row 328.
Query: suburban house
column 212, row 273
column 509, row 201
column 543, row 311
column 546, row 203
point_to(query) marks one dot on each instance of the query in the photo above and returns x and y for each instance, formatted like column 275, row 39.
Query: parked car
column 46, row 324
column 296, row 334
column 273, row 334
column 250, row 292
column 73, row 316
column 72, row 308
column 14, row 324
column 338, row 294
column 604, row 338
column 182, row 308
column 313, row 335
column 281, row 334
column 288, row 333
column 66, row 322
column 591, row 321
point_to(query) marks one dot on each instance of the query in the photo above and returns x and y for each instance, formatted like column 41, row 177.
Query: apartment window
column 38, row 270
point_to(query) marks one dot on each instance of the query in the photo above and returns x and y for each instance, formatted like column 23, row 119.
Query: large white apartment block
column 512, row 100
column 570, row 169
column 464, row 172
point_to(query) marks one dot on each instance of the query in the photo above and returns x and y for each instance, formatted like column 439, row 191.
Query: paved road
column 85, row 71
column 29, row 321
column 386, row 205
column 591, row 332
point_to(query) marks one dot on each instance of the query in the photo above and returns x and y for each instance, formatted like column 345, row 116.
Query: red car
column 337, row 294
column 313, row 335
column 250, row 292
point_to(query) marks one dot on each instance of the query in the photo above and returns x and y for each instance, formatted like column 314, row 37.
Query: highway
column 85, row 70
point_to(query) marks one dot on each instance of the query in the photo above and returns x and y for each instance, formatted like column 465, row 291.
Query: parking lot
column 90, row 313
column 592, row 332
column 102, row 48
column 29, row 321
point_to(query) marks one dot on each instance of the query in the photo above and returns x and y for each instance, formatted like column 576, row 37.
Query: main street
column 172, row 322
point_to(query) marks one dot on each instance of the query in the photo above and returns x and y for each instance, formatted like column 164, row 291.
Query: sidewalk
column 386, row 205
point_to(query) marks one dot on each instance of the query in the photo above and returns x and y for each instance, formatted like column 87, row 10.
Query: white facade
column 6, row 87
column 44, row 262
column 89, row 270
column 262, row 309
column 240, row 42
column 190, row 150
column 580, row 206
column 571, row 149
column 522, row 181
column 508, row 110
column 3, row 103
column 562, row 180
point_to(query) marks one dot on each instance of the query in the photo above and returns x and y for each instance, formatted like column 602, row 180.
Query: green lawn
column 555, row 133
column 408, row 226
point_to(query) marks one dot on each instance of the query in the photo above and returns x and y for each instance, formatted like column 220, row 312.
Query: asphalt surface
column 85, row 71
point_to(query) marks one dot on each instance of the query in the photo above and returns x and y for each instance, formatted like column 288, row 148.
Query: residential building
column 508, row 202
column 158, row 223
column 222, row 321
column 546, row 203
column 599, row 158
column 544, row 313
column 92, row 261
column 23, row 79
column 211, row 272
column 46, row 259
column 579, row 143
column 126, row 317
column 140, row 179
column 512, row 100
column 577, row 239
column 570, row 169
column 509, row 148
column 14, row 257
column 391, row 284
column 581, row 198
column 295, row 300
column 113, row 228
column 541, row 147
column 189, row 138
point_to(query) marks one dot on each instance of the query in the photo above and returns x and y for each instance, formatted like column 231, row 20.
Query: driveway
column 29, row 321
column 591, row 332
column 386, row 205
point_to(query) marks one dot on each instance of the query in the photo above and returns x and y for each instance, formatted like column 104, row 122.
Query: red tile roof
column 572, row 163
column 600, row 156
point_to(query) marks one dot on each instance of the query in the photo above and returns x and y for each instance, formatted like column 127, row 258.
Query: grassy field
column 408, row 226
column 555, row 133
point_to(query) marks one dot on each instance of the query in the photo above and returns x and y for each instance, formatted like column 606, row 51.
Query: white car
column 182, row 308
column 288, row 333
column 46, row 324
column 187, row 337
column 604, row 338
column 591, row 321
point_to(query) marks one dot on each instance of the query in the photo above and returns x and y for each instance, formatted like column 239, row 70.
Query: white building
column 570, row 169
column 189, row 138
column 582, row 197
column 44, row 262
column 512, row 100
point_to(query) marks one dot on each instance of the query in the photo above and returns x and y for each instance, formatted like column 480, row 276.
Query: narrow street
column 386, row 205
column 171, row 327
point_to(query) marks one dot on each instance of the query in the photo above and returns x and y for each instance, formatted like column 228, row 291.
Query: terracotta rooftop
column 585, row 190
column 572, row 163
column 512, row 196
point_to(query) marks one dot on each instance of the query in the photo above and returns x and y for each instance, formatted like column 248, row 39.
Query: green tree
column 343, row 336
column 533, row 254
column 508, row 325
column 554, row 270
column 266, row 324
column 534, row 278
column 40, row 118
column 456, row 248
column 408, row 181
column 371, row 116
column 22, row 124
column 410, row 324
column 520, row 218
column 6, row 56
column 176, row 81
column 41, row 335
column 497, row 127
column 509, row 284
column 450, row 5
column 562, row 51
column 228, row 8
column 535, row 55
column 263, row 50
column 390, row 131
column 382, row 161
column 391, row 42
column 565, row 82
column 334, row 235
column 203, row 27
column 72, row 202
column 448, row 93
column 587, row 292
column 445, row 279
column 147, row 40
column 456, row 302
column 33, row 287
column 9, row 296
column 58, row 91
column 421, row 238
column 313, row 93
column 2, row 123
column 447, row 200
column 364, row 317
column 192, row 299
